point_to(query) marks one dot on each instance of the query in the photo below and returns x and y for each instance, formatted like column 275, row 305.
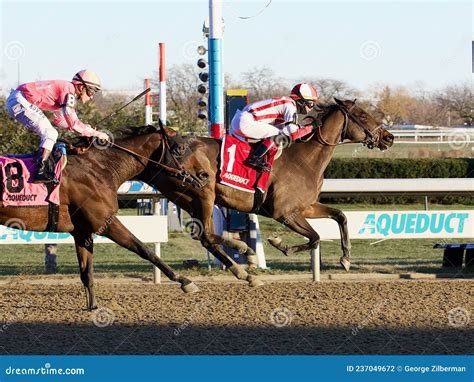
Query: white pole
column 256, row 241
column 316, row 264
column 156, row 270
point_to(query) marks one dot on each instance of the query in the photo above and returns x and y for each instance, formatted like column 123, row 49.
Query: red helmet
column 305, row 92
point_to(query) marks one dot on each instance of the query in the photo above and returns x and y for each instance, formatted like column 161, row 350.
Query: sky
column 407, row 43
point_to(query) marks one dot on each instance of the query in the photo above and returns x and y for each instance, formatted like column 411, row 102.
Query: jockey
column 264, row 120
column 26, row 103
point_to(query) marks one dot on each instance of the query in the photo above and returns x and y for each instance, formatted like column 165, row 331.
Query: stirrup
column 258, row 164
column 41, row 175
column 43, row 178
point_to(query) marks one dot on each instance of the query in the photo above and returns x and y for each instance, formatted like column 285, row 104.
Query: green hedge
column 400, row 168
column 343, row 168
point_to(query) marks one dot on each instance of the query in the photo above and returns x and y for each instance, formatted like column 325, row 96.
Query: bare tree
column 456, row 100
column 182, row 96
column 262, row 83
column 329, row 88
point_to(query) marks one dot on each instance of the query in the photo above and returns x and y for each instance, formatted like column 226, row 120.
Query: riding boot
column 41, row 174
column 257, row 159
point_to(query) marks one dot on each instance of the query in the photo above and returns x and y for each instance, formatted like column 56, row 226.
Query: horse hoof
column 275, row 240
column 254, row 281
column 238, row 272
column 346, row 264
column 252, row 261
column 189, row 288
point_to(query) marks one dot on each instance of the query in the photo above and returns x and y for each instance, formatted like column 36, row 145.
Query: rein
column 157, row 163
column 180, row 172
column 319, row 135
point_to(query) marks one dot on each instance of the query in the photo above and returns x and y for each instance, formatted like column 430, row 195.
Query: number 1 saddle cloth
column 234, row 173
column 17, row 190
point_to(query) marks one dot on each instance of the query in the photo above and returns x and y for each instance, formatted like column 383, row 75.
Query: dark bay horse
column 88, row 197
column 293, row 188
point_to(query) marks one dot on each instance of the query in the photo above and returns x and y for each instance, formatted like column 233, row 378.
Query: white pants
column 32, row 118
column 244, row 125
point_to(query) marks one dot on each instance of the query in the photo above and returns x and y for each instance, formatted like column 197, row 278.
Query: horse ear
column 338, row 101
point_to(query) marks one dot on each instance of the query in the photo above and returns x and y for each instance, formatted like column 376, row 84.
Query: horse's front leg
column 318, row 211
column 204, row 231
column 117, row 232
column 84, row 248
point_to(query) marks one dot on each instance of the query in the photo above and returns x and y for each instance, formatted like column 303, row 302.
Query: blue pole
column 216, row 75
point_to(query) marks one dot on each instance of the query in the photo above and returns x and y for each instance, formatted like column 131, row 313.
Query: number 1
column 231, row 151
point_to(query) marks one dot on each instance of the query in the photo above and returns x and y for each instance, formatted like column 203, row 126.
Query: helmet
column 89, row 79
column 304, row 92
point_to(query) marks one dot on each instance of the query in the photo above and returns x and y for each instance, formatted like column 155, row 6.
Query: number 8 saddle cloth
column 17, row 190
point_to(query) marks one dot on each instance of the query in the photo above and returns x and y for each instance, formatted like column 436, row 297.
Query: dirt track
column 371, row 317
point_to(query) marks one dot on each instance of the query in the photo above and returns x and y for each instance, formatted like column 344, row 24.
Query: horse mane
column 133, row 131
column 325, row 109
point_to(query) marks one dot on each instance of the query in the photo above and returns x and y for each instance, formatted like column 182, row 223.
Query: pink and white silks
column 26, row 103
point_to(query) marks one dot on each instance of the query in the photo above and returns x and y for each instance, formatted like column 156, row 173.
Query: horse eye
column 363, row 117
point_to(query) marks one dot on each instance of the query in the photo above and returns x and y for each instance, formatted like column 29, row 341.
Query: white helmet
column 89, row 79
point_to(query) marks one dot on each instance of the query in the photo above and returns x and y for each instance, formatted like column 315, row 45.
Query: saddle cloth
column 17, row 190
column 234, row 173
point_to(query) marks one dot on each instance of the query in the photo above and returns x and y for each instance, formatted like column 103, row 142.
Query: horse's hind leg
column 212, row 242
column 297, row 223
column 84, row 250
column 318, row 210
column 241, row 247
column 117, row 232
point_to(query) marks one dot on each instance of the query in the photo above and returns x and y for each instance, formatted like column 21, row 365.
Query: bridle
column 370, row 139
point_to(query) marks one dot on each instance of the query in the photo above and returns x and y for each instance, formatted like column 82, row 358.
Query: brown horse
column 293, row 188
column 88, row 204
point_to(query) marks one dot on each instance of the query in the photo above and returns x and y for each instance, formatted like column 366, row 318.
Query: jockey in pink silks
column 264, row 120
column 26, row 103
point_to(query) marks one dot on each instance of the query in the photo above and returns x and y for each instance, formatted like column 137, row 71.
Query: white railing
column 351, row 187
column 432, row 136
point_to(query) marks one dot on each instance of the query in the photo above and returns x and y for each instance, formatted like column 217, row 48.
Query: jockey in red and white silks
column 271, row 117
column 27, row 102
column 265, row 119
